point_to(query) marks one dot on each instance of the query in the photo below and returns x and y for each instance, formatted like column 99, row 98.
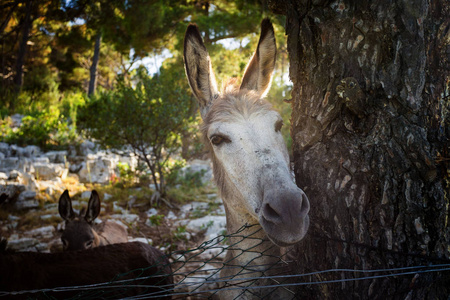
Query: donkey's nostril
column 271, row 214
column 304, row 205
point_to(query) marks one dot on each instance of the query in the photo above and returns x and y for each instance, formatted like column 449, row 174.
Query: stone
column 13, row 175
column 127, row 218
column 48, row 171
column 86, row 194
column 212, row 225
column 29, row 204
column 97, row 169
column 75, row 167
column 22, row 243
column 53, row 188
column 215, row 252
column 4, row 149
column 41, row 159
column 32, row 151
column 17, row 151
column 42, row 232
column 9, row 163
column 203, row 167
column 29, row 181
column 16, row 120
column 27, row 195
column 57, row 156
column 152, row 212
column 204, row 280
column 87, row 147
column 9, row 193
column 193, row 208
column 142, row 240
column 171, row 216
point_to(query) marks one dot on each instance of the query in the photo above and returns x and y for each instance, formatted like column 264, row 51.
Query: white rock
column 199, row 166
column 41, row 159
column 86, row 194
column 22, row 243
column 213, row 225
column 4, row 148
column 27, row 195
column 16, row 120
column 32, row 151
column 48, row 171
column 171, row 216
column 152, row 212
column 26, row 204
column 128, row 218
column 188, row 210
column 97, row 170
column 9, row 163
column 216, row 252
column 57, row 156
column 43, row 232
column 14, row 175
column 204, row 279
column 142, row 240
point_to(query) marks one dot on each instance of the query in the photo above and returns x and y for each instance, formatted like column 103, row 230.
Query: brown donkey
column 81, row 232
column 110, row 272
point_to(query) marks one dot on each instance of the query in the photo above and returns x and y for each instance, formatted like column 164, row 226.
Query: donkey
column 250, row 161
column 81, row 233
column 109, row 272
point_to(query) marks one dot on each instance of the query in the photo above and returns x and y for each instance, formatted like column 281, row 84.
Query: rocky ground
column 31, row 182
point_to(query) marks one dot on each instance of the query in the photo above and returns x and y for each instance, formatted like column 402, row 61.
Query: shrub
column 148, row 117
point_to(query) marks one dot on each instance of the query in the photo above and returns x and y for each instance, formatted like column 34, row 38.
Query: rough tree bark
column 26, row 27
column 93, row 69
column 371, row 138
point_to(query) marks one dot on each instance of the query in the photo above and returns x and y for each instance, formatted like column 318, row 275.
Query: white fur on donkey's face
column 250, row 158
column 253, row 149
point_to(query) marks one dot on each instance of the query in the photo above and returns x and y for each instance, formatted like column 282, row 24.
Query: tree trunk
column 18, row 78
column 95, row 59
column 371, row 133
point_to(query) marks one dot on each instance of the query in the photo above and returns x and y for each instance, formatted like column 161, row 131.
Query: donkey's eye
column 89, row 244
column 278, row 125
column 218, row 139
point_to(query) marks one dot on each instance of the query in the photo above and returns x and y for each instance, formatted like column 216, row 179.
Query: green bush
column 45, row 125
column 148, row 117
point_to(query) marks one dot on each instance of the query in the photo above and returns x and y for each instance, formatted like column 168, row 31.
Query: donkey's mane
column 234, row 103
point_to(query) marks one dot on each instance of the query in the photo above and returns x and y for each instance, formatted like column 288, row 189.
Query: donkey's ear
column 65, row 207
column 258, row 73
column 93, row 209
column 198, row 69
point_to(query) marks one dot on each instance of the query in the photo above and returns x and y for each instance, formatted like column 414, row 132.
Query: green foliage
column 180, row 233
column 44, row 129
column 49, row 122
column 156, row 220
column 148, row 117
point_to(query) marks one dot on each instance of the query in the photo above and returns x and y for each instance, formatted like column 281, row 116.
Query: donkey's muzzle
column 284, row 215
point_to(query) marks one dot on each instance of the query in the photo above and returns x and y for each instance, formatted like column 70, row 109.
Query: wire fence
column 205, row 273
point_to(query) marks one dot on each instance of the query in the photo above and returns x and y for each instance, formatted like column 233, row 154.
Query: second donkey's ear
column 94, row 206
column 65, row 207
column 198, row 68
column 258, row 74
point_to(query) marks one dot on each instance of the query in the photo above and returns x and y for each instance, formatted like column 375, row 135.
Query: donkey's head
column 79, row 233
column 251, row 162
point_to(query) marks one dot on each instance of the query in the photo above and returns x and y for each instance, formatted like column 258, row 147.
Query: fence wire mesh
column 205, row 272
